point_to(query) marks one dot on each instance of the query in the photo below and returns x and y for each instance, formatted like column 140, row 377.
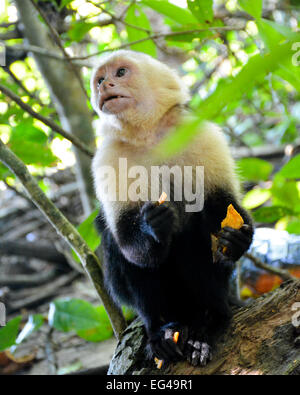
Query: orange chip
column 175, row 337
column 162, row 198
column 233, row 219
column 158, row 362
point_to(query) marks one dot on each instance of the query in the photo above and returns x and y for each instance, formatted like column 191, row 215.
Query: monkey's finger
column 205, row 354
column 160, row 217
column 195, row 359
column 224, row 260
column 156, row 212
column 247, row 229
column 233, row 244
column 234, row 234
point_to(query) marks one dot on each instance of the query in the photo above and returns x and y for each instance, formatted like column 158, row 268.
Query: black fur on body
column 168, row 275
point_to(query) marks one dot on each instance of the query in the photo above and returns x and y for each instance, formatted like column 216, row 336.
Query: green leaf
column 73, row 314
column 135, row 16
column 291, row 74
column 100, row 332
column 293, row 227
column 273, row 33
column 271, row 214
column 79, row 30
column 64, row 3
column 285, row 192
column 9, row 333
column 91, row 323
column 256, row 197
column 254, row 169
column 253, row 7
column 177, row 14
column 202, row 10
column 291, row 169
column 89, row 233
column 30, row 144
column 230, row 91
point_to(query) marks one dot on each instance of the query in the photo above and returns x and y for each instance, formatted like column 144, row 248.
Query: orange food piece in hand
column 233, row 219
column 176, row 337
column 158, row 362
column 162, row 198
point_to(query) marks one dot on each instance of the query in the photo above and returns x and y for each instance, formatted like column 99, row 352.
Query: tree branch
column 284, row 274
column 88, row 259
column 57, row 40
column 160, row 35
column 10, row 35
column 56, row 128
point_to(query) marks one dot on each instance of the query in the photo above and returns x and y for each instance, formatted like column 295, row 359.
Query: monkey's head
column 135, row 89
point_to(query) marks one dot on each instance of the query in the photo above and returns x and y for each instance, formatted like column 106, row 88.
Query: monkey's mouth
column 111, row 98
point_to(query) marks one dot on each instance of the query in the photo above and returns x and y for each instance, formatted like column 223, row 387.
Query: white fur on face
column 155, row 87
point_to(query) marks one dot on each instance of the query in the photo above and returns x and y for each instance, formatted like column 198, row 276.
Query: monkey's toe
column 198, row 353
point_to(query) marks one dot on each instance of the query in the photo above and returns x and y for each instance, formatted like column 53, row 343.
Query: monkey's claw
column 163, row 344
column 198, row 353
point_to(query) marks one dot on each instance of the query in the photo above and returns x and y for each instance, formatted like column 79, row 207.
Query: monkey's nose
column 107, row 84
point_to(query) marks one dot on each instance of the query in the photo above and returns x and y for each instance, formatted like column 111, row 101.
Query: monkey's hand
column 233, row 243
column 159, row 221
column 163, row 345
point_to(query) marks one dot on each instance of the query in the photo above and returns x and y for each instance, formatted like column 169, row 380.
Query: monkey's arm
column 144, row 234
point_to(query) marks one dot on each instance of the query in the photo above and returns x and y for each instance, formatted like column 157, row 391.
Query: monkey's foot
column 166, row 344
column 198, row 353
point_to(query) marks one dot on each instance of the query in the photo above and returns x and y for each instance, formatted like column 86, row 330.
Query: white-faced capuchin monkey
column 158, row 257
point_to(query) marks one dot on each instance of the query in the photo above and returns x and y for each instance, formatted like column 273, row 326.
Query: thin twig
column 120, row 19
column 68, row 232
column 284, row 274
column 124, row 12
column 56, row 128
column 159, row 35
column 22, row 86
column 45, row 52
column 8, row 24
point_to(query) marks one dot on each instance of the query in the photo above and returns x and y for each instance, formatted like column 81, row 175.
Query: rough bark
column 67, row 94
column 260, row 340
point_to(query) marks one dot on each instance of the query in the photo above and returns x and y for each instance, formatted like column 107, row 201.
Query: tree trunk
column 67, row 94
column 262, row 339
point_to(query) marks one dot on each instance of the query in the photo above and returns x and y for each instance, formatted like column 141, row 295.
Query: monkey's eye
column 100, row 81
column 121, row 72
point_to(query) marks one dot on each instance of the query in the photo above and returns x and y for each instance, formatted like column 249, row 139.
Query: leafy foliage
column 9, row 333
